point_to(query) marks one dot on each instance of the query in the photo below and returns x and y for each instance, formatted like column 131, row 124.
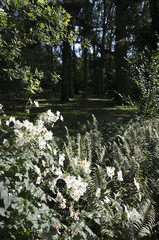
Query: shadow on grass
column 75, row 112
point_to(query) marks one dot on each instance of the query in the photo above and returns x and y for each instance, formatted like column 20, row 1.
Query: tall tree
column 65, row 71
column 73, row 8
column 154, row 10
column 121, row 18
column 26, row 25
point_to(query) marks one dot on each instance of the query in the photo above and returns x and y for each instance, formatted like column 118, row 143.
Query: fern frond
column 145, row 226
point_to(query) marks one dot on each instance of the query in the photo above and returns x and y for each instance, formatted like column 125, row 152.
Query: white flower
column 42, row 142
column 106, row 200
column 52, row 184
column 110, row 171
column 12, row 119
column 48, row 135
column 134, row 215
column 20, row 139
column 83, row 164
column 59, row 197
column 39, row 130
column 120, row 176
column 81, row 187
column 58, row 113
column 7, row 122
column 18, row 124
column 46, row 172
column 75, row 195
column 53, row 168
column 117, row 195
column 76, row 160
column 71, row 182
column 40, row 123
column 63, row 205
column 39, row 179
column 61, row 158
column 98, row 192
column 1, row 106
column 37, row 170
column 72, row 211
column 137, row 184
column 140, row 196
column 28, row 125
column 40, row 153
column 57, row 171
column 55, row 151
column 87, row 167
column 76, row 215
column 6, row 143
column 43, row 163
column 36, row 103
column 63, row 176
column 43, row 197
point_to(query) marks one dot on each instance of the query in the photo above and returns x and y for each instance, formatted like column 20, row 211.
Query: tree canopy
column 84, row 43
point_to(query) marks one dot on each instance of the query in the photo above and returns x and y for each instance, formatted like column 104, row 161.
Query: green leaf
column 90, row 231
column 2, row 212
column 1, row 186
column 7, row 198
column 4, row 194
column 7, row 201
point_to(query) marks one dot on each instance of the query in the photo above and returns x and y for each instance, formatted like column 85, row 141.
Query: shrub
column 148, row 83
column 82, row 188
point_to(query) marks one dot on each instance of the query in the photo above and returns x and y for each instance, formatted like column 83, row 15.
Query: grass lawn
column 75, row 112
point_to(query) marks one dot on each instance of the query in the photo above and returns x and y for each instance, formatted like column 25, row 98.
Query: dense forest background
column 72, row 47
column 97, row 178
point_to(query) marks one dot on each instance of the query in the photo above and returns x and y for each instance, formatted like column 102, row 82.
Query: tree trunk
column 52, row 59
column 75, row 77
column 154, row 10
column 102, row 59
column 70, row 71
column 122, row 84
column 85, row 52
column 94, row 73
column 65, row 72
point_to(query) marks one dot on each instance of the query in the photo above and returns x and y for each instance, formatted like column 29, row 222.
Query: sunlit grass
column 75, row 112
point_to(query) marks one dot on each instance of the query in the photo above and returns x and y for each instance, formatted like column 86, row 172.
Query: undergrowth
column 83, row 187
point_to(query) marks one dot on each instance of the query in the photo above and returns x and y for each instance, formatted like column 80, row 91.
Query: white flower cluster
column 111, row 173
column 84, row 165
column 61, row 199
column 74, row 214
column 26, row 131
column 50, row 117
column 77, row 187
column 133, row 215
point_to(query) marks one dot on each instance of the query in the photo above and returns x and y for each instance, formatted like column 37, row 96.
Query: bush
column 148, row 83
column 82, row 188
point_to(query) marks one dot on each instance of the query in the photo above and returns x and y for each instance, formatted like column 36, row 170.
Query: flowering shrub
column 49, row 191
